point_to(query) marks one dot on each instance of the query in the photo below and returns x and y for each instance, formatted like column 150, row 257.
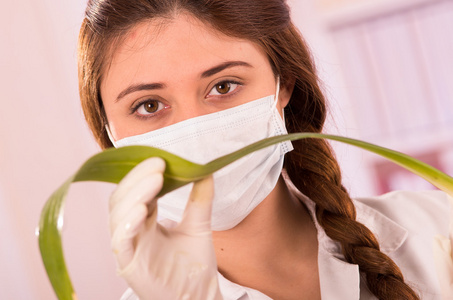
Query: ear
column 286, row 91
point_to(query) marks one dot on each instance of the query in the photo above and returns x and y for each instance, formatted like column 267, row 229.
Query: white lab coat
column 407, row 225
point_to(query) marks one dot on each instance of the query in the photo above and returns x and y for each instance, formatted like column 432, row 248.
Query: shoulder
column 415, row 211
column 407, row 225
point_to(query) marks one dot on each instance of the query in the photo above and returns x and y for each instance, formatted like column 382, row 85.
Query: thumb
column 197, row 214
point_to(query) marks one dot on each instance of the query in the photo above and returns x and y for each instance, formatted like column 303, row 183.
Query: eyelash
column 139, row 104
column 229, row 93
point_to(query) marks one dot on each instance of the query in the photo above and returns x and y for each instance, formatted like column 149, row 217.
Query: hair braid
column 319, row 178
column 314, row 170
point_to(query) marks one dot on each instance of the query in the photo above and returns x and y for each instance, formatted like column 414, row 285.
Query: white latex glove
column 158, row 262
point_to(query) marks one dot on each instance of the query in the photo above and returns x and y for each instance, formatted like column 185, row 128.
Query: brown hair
column 311, row 165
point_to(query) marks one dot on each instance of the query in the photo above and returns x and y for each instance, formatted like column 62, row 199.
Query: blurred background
column 387, row 70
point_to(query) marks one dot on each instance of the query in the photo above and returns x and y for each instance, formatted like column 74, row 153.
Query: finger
column 122, row 242
column 197, row 214
column 145, row 168
column 142, row 193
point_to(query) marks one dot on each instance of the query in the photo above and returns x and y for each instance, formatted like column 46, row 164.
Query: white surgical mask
column 240, row 186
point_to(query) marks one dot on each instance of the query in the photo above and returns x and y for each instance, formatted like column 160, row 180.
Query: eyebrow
column 223, row 66
column 139, row 87
column 155, row 86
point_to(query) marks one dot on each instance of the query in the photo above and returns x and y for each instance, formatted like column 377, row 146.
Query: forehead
column 178, row 34
column 176, row 46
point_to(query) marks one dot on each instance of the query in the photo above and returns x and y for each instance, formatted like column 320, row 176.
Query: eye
column 148, row 107
column 223, row 88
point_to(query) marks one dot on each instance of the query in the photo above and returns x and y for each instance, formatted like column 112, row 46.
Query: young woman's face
column 164, row 73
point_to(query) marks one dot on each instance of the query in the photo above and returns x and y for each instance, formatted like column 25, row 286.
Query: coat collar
column 390, row 234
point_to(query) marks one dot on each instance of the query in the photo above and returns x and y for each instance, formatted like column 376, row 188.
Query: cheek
column 120, row 129
column 113, row 132
column 110, row 115
column 115, row 123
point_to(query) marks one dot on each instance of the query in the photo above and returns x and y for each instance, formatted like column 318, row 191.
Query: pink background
column 387, row 70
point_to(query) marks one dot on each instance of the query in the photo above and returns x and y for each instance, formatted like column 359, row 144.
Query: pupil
column 223, row 88
column 151, row 106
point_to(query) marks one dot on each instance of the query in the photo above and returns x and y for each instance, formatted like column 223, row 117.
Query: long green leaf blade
column 113, row 164
column 50, row 243
column 429, row 173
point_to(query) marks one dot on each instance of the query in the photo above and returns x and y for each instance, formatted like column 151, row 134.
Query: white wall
column 43, row 139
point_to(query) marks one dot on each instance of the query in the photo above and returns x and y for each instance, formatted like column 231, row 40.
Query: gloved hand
column 158, row 262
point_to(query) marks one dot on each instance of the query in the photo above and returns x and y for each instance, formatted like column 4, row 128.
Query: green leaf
column 113, row 164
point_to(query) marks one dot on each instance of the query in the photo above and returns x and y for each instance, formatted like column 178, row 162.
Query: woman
column 201, row 79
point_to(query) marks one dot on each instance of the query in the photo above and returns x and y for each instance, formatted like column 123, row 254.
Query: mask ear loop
column 277, row 92
column 107, row 128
